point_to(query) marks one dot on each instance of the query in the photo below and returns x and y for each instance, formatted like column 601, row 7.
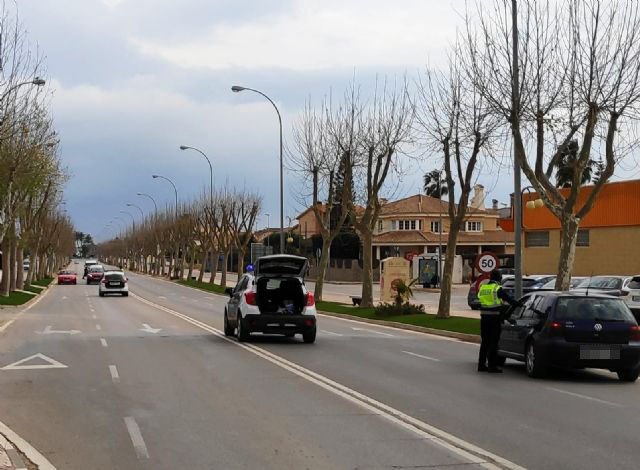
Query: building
column 608, row 240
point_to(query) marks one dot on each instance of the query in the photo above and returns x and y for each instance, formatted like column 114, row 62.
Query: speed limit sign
column 486, row 262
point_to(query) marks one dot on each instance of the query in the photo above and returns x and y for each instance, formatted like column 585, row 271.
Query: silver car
column 113, row 282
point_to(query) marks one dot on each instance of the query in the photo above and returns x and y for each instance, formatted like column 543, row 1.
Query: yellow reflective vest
column 488, row 296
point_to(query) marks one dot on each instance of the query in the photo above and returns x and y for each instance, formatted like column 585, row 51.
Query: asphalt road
column 361, row 397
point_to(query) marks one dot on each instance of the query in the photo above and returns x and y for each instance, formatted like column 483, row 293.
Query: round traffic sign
column 486, row 262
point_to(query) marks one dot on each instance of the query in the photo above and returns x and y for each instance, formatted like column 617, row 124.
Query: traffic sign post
column 487, row 262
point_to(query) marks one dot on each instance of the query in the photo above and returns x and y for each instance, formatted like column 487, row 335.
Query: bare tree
column 561, row 71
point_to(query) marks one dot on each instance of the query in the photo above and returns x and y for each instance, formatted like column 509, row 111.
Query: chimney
column 477, row 201
column 494, row 204
column 420, row 203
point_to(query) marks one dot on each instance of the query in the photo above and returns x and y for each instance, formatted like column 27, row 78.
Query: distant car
column 573, row 331
column 529, row 283
column 87, row 264
column 272, row 300
column 610, row 285
column 95, row 274
column 633, row 296
column 551, row 285
column 26, row 264
column 113, row 282
column 67, row 277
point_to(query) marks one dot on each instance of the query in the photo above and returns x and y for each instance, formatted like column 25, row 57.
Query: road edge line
column 32, row 303
column 27, row 449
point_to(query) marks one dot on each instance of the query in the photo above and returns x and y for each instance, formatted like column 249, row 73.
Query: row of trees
column 194, row 233
column 31, row 175
column 558, row 79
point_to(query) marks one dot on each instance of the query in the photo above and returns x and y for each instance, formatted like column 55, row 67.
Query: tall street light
column 137, row 207
column 237, row 89
column 133, row 219
column 185, row 147
column 152, row 200
column 36, row 81
column 175, row 190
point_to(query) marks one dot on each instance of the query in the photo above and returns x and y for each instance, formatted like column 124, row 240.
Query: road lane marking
column 423, row 357
column 331, row 333
column 460, row 447
column 136, row 438
column 20, row 365
column 104, row 342
column 372, row 331
column 92, row 309
column 98, row 327
column 49, row 331
column 95, row 317
column 27, row 449
column 148, row 329
column 585, row 397
column 4, row 327
column 114, row 374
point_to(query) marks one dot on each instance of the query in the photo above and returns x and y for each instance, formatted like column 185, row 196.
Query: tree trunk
column 444, row 304
column 223, row 279
column 14, row 265
column 203, row 266
column 20, row 270
column 367, row 269
column 6, row 272
column 568, row 238
column 214, row 266
column 190, row 271
column 322, row 267
column 241, row 253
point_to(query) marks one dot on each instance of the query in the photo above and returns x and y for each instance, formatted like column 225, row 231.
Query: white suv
column 633, row 296
column 113, row 282
column 272, row 300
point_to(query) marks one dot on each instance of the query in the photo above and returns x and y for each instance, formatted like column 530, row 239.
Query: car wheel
column 628, row 375
column 532, row 361
column 309, row 336
column 125, row 294
column 242, row 333
column 228, row 330
column 101, row 294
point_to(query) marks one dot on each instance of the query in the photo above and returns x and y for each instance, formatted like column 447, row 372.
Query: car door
column 528, row 321
column 236, row 296
column 509, row 331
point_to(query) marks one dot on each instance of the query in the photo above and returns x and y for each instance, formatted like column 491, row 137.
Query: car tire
column 309, row 337
column 228, row 330
column 125, row 294
column 532, row 362
column 101, row 294
column 628, row 375
column 242, row 332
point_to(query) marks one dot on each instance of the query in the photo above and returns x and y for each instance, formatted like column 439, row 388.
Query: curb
column 469, row 338
column 28, row 302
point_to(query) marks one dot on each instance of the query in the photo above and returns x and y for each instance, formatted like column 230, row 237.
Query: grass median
column 455, row 324
column 16, row 298
column 43, row 282
column 215, row 288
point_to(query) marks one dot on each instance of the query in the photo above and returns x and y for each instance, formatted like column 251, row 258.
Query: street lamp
column 152, row 200
column 184, row 147
column 37, row 81
column 175, row 190
column 133, row 219
column 137, row 207
column 237, row 89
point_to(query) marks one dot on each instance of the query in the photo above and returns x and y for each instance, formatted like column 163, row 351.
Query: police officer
column 492, row 298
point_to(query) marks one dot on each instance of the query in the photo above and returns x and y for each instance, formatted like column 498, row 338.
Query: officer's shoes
column 483, row 369
column 494, row 370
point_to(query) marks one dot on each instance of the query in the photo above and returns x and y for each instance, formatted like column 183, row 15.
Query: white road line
column 98, row 327
column 423, row 357
column 4, row 327
column 95, row 317
column 331, row 333
column 585, row 397
column 460, row 447
column 136, row 438
column 372, row 331
column 92, row 309
column 114, row 374
column 104, row 342
column 27, row 449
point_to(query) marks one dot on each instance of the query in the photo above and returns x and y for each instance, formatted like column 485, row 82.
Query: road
column 150, row 383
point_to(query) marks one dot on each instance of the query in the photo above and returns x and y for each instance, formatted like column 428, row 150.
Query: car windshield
column 601, row 282
column 96, row 269
column 592, row 308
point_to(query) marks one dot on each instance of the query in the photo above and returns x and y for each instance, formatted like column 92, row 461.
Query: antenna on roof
column 589, row 284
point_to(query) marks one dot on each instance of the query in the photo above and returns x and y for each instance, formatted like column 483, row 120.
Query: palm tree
column 435, row 185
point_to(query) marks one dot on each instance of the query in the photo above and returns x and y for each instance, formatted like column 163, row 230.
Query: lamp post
column 137, row 207
column 133, row 219
column 37, row 81
column 175, row 190
column 268, row 215
column 237, row 89
column 185, row 147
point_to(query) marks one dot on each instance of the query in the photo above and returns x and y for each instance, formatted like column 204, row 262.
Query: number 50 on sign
column 486, row 262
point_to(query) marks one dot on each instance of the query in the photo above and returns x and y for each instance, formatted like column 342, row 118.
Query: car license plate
column 635, row 298
column 114, row 284
column 598, row 352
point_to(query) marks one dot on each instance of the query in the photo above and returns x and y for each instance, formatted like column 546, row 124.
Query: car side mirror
column 228, row 291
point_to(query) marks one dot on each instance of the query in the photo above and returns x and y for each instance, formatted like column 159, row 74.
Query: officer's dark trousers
column 490, row 329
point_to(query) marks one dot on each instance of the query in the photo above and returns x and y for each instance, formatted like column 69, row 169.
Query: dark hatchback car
column 95, row 274
column 572, row 331
column 529, row 284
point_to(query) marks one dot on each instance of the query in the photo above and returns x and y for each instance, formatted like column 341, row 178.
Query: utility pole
column 517, row 190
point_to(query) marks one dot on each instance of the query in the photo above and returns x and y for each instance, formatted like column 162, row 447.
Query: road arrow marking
column 64, row 297
column 49, row 331
column 52, row 363
column 371, row 331
column 148, row 329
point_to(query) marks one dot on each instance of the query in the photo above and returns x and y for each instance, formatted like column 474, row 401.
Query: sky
column 133, row 80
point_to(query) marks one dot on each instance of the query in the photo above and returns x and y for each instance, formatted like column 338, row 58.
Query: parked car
column 87, row 264
column 633, row 297
column 113, row 282
column 95, row 274
column 26, row 264
column 610, row 285
column 551, row 285
column 573, row 331
column 529, row 283
column 67, row 277
column 273, row 300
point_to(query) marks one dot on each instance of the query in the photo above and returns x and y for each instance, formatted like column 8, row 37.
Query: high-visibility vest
column 488, row 296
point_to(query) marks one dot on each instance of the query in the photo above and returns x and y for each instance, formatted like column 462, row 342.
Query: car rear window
column 96, row 269
column 635, row 283
column 592, row 308
column 114, row 277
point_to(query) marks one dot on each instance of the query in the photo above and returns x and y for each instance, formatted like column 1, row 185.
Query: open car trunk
column 280, row 295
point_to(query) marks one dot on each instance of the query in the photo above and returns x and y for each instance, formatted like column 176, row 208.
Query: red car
column 67, row 277
column 95, row 274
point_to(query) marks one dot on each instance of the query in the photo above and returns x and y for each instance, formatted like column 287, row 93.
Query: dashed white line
column 98, row 327
column 114, row 374
column 103, row 342
column 136, row 438
column 585, row 397
column 331, row 333
column 95, row 317
column 372, row 331
column 421, row 356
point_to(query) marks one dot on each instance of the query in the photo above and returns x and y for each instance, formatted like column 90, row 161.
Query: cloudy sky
column 134, row 79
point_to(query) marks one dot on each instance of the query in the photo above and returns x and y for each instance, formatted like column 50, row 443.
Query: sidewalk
column 10, row 458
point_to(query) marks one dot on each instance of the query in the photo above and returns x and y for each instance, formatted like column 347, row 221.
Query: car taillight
column 635, row 333
column 250, row 297
column 624, row 293
column 555, row 328
column 311, row 300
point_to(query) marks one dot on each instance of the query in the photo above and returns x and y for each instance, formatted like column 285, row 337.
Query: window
column 435, row 227
column 420, row 224
column 393, row 225
column 533, row 239
column 473, row 226
column 379, row 225
column 582, row 238
column 401, row 225
column 406, row 225
column 413, row 225
column 242, row 284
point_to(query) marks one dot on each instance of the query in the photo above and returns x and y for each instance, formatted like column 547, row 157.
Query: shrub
column 395, row 309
